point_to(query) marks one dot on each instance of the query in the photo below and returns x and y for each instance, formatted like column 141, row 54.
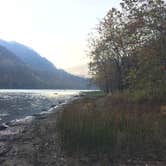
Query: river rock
column 11, row 133
column 60, row 102
column 40, row 116
column 23, row 121
column 4, row 148
column 52, row 106
column 3, row 127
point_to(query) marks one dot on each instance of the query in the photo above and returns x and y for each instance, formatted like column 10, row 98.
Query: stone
column 4, row 148
column 52, row 106
column 3, row 126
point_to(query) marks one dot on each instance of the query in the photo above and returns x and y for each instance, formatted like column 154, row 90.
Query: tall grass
column 114, row 126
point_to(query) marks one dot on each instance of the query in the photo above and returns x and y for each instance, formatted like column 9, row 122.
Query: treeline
column 128, row 49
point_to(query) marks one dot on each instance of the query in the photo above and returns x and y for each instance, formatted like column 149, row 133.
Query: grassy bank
column 114, row 126
column 96, row 130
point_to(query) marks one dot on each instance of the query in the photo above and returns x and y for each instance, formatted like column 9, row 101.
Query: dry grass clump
column 113, row 125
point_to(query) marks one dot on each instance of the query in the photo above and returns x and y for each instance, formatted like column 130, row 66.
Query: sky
column 56, row 29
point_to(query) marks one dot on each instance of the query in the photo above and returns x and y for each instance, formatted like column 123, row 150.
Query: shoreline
column 14, row 130
column 24, row 134
column 29, row 118
column 39, row 143
column 19, row 104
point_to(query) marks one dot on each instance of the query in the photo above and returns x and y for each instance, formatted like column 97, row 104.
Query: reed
column 113, row 125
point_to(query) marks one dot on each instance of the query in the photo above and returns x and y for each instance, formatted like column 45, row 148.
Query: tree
column 128, row 50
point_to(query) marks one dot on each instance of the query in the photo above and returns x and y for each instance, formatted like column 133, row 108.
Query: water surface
column 16, row 104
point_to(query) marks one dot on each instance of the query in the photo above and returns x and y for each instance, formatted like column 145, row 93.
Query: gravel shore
column 31, row 144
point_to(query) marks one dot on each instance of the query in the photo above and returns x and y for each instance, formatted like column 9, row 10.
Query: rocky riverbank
column 38, row 143
column 31, row 144
column 31, row 140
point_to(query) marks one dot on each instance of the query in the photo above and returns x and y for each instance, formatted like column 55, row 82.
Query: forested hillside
column 16, row 74
column 22, row 67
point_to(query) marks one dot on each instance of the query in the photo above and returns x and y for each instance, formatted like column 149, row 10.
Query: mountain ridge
column 41, row 72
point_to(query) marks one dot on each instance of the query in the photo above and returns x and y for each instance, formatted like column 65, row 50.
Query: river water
column 17, row 104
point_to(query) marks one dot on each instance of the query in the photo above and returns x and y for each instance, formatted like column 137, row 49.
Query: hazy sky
column 57, row 29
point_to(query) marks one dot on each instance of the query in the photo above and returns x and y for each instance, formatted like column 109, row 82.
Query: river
column 17, row 104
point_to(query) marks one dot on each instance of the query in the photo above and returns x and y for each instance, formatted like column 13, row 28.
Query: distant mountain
column 28, row 55
column 16, row 74
column 22, row 67
column 80, row 70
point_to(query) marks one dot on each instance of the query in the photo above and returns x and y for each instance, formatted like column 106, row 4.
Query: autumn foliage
column 128, row 49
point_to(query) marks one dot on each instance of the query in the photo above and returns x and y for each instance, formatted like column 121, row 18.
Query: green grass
column 93, row 94
column 114, row 126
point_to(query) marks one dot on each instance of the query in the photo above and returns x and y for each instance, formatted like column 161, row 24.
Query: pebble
column 4, row 148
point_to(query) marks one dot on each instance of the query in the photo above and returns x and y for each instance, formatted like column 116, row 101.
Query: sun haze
column 58, row 30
